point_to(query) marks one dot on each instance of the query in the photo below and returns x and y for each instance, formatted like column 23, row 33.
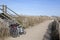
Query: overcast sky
column 34, row 7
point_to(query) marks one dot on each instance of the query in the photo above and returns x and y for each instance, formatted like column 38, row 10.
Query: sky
column 34, row 7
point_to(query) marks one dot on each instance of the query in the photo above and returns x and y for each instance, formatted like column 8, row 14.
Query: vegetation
column 4, row 31
column 27, row 21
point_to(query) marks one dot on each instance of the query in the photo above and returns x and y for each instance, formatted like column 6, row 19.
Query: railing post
column 4, row 8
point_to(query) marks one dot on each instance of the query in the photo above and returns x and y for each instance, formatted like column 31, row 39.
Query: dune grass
column 27, row 21
column 4, row 31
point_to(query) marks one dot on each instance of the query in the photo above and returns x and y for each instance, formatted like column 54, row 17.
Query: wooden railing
column 7, row 13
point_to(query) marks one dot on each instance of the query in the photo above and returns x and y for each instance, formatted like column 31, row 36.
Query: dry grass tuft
column 4, row 31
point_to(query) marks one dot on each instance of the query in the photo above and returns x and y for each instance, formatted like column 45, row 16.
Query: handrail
column 3, row 15
column 9, row 13
column 8, row 9
column 12, row 11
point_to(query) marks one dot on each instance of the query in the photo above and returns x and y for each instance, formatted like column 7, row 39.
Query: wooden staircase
column 6, row 15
